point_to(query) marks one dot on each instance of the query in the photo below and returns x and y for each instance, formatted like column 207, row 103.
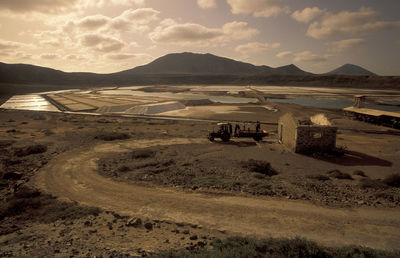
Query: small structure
column 359, row 101
column 307, row 135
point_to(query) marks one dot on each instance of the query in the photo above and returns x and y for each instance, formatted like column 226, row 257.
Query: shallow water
column 29, row 102
column 170, row 95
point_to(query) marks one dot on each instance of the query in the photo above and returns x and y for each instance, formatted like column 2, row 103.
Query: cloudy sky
column 113, row 35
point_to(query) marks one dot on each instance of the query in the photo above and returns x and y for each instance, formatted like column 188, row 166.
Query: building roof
column 372, row 112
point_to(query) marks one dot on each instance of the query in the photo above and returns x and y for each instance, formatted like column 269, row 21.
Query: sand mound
column 157, row 108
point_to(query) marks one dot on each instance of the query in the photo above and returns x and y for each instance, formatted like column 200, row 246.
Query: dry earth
column 188, row 189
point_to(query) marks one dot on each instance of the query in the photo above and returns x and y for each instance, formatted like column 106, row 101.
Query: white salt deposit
column 152, row 109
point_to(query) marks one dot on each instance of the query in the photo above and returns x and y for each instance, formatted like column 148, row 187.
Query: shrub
column 392, row 180
column 339, row 175
column 359, row 173
column 318, row 177
column 112, row 136
column 372, row 183
column 275, row 247
column 142, row 154
column 260, row 166
column 33, row 149
column 30, row 204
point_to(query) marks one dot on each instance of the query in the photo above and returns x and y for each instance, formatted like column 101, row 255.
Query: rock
column 134, row 222
column 201, row 244
column 88, row 223
column 193, row 237
column 148, row 225
column 13, row 175
column 186, row 232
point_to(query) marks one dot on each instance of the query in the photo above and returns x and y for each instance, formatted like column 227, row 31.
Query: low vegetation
column 260, row 166
column 29, row 150
column 112, row 136
column 392, row 180
column 28, row 204
column 233, row 247
column 339, row 175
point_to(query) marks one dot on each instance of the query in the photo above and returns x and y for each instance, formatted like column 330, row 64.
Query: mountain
column 350, row 69
column 186, row 68
column 192, row 63
column 290, row 69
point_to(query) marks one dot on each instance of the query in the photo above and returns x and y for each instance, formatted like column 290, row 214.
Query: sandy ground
column 171, row 189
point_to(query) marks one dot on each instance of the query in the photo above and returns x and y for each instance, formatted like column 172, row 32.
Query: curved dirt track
column 73, row 176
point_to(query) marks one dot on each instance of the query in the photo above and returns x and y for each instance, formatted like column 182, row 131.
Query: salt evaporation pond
column 334, row 103
column 170, row 95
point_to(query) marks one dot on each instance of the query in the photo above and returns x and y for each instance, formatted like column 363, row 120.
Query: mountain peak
column 351, row 69
column 291, row 69
column 194, row 63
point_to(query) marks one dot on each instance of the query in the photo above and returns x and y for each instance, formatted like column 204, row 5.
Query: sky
column 105, row 36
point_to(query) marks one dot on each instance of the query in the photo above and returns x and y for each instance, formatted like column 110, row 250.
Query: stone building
column 307, row 135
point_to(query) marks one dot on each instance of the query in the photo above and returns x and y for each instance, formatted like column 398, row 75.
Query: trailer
column 225, row 132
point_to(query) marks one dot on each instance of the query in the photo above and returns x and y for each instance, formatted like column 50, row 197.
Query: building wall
column 287, row 131
column 315, row 138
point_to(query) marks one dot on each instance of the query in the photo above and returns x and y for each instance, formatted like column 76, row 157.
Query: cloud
column 136, row 20
column 102, row 43
column 258, row 8
column 49, row 56
column 6, row 45
column 205, row 4
column 362, row 22
column 40, row 6
column 256, row 47
column 51, row 43
column 74, row 57
column 191, row 33
column 341, row 45
column 238, row 31
column 308, row 56
column 104, row 3
column 93, row 22
column 124, row 56
column 284, row 54
column 185, row 33
column 307, row 15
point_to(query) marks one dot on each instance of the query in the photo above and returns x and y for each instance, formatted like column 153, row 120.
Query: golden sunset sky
column 108, row 36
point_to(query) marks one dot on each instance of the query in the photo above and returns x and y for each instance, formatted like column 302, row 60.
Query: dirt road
column 73, row 176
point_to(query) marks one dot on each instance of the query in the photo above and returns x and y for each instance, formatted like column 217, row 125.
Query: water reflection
column 29, row 102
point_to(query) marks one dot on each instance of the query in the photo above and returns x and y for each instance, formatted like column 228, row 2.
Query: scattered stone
column 193, row 237
column 134, row 222
column 186, row 232
column 88, row 223
column 179, row 224
column 148, row 225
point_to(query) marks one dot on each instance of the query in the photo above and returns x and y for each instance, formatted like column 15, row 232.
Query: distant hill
column 191, row 63
column 350, row 69
column 290, row 69
column 186, row 68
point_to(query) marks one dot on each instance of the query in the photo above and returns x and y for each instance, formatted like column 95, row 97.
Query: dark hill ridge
column 191, row 63
column 290, row 69
column 350, row 69
column 185, row 68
